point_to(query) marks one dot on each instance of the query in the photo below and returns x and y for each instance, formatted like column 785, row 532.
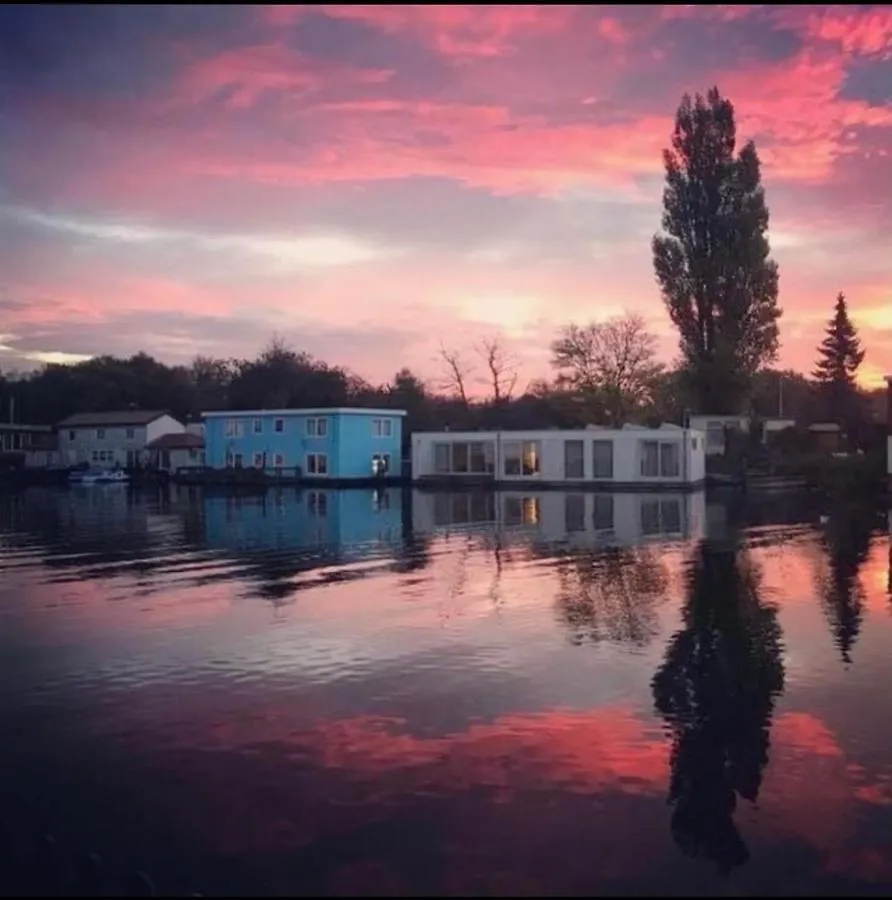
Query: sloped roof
column 110, row 419
column 177, row 441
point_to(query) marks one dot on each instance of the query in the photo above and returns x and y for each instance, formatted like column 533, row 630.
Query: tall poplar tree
column 712, row 258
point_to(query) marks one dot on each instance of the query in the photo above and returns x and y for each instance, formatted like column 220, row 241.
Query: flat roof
column 666, row 430
column 339, row 410
column 21, row 426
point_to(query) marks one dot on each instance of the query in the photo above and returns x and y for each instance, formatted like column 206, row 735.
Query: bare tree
column 613, row 362
column 501, row 368
column 456, row 372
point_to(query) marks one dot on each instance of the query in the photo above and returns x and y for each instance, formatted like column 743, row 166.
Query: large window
column 574, row 459
column 317, row 463
column 660, row 459
column 464, row 458
column 521, row 458
column 602, row 514
column 602, row 459
column 317, row 428
column 466, row 508
column 233, row 428
column 661, row 517
column 382, row 428
column 520, row 511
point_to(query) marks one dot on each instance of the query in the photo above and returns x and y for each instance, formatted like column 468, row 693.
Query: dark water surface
column 360, row 693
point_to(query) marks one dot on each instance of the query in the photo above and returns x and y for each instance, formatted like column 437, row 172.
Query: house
column 113, row 438
column 716, row 428
column 578, row 519
column 628, row 457
column 176, row 450
column 15, row 439
column 42, row 452
column 335, row 444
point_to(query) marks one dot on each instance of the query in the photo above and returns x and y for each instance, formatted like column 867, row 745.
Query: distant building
column 311, row 443
column 177, row 450
column 15, row 440
column 629, row 457
column 113, row 438
column 716, row 428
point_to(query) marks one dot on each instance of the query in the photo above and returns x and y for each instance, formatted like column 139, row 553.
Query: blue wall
column 292, row 519
column 349, row 443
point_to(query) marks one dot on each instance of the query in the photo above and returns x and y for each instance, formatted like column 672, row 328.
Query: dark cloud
column 869, row 80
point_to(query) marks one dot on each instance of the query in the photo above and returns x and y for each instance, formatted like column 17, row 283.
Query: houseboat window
column 100, row 434
column 317, row 428
column 574, row 459
column 602, row 459
column 380, row 463
column 229, row 460
column 660, row 517
column 660, row 459
column 442, row 465
column 279, row 426
column 317, row 463
column 258, row 425
column 70, row 435
column 239, row 461
column 521, row 511
column 233, row 428
column 521, row 458
column 130, row 434
column 382, row 428
column 317, row 503
column 258, row 460
column 574, row 512
column 602, row 514
column 278, row 459
column 460, row 459
column 482, row 457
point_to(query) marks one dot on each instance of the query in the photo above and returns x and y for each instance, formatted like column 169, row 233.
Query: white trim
column 318, row 432
column 285, row 413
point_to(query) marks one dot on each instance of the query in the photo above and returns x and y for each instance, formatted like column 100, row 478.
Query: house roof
column 106, row 419
column 317, row 411
column 177, row 441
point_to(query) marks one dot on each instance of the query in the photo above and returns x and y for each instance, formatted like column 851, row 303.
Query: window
column 239, row 460
column 234, row 428
column 380, row 463
column 278, row 458
column 258, row 460
column 574, row 459
column 382, row 428
column 317, row 463
column 521, row 458
column 257, row 426
column 574, row 512
column 100, row 434
column 229, row 460
column 715, row 437
column 70, row 435
column 130, row 434
column 442, row 459
column 660, row 459
column 464, row 458
column 317, row 428
column 602, row 459
column 602, row 514
column 317, row 503
column 279, row 426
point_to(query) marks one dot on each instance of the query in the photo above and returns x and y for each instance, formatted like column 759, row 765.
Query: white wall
column 567, row 517
column 163, row 425
column 115, row 443
column 626, row 452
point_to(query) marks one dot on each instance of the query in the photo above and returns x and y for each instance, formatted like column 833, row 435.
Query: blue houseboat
column 336, row 445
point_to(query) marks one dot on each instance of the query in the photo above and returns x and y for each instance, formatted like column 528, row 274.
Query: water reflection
column 846, row 539
column 717, row 689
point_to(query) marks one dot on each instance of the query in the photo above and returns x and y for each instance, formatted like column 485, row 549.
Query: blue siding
column 349, row 443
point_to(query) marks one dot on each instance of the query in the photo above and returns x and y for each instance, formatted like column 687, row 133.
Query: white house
column 628, row 457
column 176, row 450
column 113, row 438
column 574, row 519
column 714, row 427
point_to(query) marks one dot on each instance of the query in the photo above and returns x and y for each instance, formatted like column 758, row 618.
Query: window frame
column 257, row 425
column 316, row 457
column 278, row 425
column 316, row 427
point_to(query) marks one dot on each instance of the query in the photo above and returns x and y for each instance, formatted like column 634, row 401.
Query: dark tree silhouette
column 716, row 689
column 839, row 357
column 847, row 544
column 712, row 258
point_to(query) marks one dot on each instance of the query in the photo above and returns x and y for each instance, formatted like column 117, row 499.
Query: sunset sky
column 369, row 180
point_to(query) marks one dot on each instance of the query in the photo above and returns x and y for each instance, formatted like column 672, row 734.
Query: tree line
column 716, row 278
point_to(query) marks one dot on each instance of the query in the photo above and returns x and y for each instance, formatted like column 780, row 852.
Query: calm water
column 370, row 693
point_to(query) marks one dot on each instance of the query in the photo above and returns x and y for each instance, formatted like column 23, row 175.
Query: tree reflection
column 611, row 595
column 847, row 542
column 717, row 689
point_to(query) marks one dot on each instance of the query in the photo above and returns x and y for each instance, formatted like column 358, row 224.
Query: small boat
column 98, row 476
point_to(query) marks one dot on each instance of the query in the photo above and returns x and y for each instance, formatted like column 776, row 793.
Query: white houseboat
column 628, row 458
